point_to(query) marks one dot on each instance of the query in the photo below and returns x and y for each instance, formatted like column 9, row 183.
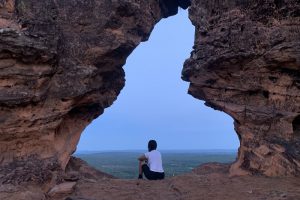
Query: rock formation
column 246, row 62
column 60, row 66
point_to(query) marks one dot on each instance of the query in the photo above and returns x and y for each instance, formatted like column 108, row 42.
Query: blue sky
column 154, row 103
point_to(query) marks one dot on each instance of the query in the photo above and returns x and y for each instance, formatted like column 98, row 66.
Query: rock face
column 60, row 66
column 246, row 62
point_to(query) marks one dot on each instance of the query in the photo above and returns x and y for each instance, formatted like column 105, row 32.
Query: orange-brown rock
column 60, row 67
column 246, row 63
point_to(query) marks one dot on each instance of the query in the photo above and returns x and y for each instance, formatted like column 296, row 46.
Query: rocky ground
column 200, row 184
column 209, row 182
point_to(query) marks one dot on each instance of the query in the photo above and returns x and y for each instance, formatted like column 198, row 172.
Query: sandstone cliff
column 61, row 66
column 246, row 62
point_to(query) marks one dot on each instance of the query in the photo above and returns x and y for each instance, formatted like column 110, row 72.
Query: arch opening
column 154, row 105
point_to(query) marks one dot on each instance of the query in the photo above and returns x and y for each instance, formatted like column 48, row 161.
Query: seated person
column 153, row 170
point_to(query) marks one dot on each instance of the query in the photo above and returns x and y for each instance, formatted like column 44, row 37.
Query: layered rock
column 246, row 62
column 60, row 66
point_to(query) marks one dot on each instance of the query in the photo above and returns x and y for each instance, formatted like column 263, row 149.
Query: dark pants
column 152, row 175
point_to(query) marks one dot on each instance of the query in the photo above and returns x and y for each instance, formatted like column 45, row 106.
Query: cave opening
column 154, row 104
column 296, row 126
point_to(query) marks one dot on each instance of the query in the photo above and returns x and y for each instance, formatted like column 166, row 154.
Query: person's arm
column 142, row 158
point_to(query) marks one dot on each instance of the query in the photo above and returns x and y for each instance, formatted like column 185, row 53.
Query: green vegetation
column 124, row 164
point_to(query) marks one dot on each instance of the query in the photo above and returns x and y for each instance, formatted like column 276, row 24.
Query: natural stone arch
column 61, row 65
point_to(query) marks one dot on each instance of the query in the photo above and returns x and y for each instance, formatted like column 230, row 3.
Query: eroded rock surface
column 60, row 66
column 23, row 182
column 246, row 62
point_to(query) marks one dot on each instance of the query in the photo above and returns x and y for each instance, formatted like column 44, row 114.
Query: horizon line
column 107, row 150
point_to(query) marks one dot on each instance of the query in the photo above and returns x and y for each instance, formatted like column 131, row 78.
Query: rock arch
column 61, row 65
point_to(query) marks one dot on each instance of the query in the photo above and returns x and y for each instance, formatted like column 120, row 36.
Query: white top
column 154, row 161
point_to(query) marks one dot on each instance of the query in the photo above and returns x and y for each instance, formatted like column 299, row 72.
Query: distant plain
column 124, row 164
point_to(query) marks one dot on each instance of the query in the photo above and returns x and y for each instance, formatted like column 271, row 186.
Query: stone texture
column 60, row 67
column 63, row 188
column 79, row 169
column 246, row 63
column 208, row 182
column 31, row 169
column 44, row 179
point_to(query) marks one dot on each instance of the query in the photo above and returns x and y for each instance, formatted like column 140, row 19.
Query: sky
column 154, row 103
